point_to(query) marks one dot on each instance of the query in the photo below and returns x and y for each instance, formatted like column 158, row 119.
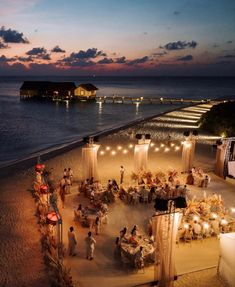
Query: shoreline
column 27, row 162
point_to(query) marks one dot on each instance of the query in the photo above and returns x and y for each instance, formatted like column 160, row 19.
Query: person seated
column 139, row 258
column 115, row 185
column 91, row 181
column 134, row 231
column 205, row 182
column 132, row 240
column 190, row 179
column 122, row 193
column 168, row 190
column 123, row 234
column 151, row 194
column 78, row 213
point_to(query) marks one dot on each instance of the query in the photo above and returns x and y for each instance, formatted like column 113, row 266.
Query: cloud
column 179, row 45
column 82, row 64
column 3, row 45
column 176, row 13
column 57, row 49
column 185, row 58
column 25, row 59
column 90, row 53
column 159, row 54
column 121, row 60
column 229, row 42
column 105, row 61
column 36, row 51
column 12, row 36
column 227, row 56
column 138, row 61
column 4, row 59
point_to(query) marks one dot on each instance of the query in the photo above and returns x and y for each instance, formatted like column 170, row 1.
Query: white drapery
column 220, row 158
column 227, row 258
column 188, row 154
column 89, row 162
column 141, row 157
column 165, row 229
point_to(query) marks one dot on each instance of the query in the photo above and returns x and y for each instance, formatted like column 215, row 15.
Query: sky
column 117, row 37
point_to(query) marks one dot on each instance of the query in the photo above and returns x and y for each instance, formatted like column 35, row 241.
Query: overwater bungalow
column 85, row 92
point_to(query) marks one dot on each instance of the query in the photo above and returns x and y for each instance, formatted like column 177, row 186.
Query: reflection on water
column 100, row 108
column 137, row 109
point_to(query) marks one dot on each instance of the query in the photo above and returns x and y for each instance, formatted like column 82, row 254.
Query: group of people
column 72, row 244
column 197, row 174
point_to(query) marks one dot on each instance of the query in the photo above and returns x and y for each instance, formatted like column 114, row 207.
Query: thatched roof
column 47, row 85
column 88, row 87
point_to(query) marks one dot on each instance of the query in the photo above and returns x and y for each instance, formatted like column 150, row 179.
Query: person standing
column 122, row 171
column 65, row 172
column 70, row 175
column 72, row 241
column 90, row 246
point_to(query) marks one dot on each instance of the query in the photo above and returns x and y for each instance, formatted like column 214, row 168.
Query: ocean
column 28, row 127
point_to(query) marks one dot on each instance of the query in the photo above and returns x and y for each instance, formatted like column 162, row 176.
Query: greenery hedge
column 220, row 120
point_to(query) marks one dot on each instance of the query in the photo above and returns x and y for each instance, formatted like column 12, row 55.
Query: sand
column 22, row 262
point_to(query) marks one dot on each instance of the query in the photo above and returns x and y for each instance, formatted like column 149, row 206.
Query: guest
column 134, row 230
column 67, row 184
column 62, row 191
column 117, row 250
column 92, row 195
column 190, row 178
column 122, row 171
column 205, row 181
column 90, row 246
column 72, row 241
column 79, row 212
column 197, row 229
column 70, row 175
column 151, row 194
column 109, row 185
column 91, row 180
column 97, row 225
column 123, row 233
column 65, row 172
column 139, row 258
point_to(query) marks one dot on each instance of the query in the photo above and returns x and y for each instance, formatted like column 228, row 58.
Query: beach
column 22, row 248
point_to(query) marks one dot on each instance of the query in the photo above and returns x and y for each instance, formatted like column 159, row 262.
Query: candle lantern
column 44, row 189
column 52, row 218
column 39, row 167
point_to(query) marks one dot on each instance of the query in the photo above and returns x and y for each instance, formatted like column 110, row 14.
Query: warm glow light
column 224, row 222
column 108, row 148
column 119, row 147
column 223, row 135
column 166, row 149
column 161, row 99
column 186, row 226
column 136, row 149
column 162, row 145
column 233, row 209
column 101, row 152
column 125, row 151
column 157, row 149
column 131, row 146
column 214, row 215
column 172, row 144
column 152, row 144
column 177, row 148
column 206, row 225
column 113, row 152
column 195, row 218
column 187, row 145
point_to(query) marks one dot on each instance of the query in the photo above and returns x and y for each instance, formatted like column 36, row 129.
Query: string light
column 162, row 145
column 166, row 149
column 172, row 144
column 101, row 152
column 152, row 144
column 130, row 145
column 177, row 148
column 206, row 225
column 157, row 149
column 233, row 209
column 119, row 147
column 108, row 148
column 224, row 221
column 125, row 151
column 113, row 152
column 214, row 215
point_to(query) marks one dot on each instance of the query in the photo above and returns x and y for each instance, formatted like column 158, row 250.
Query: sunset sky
column 117, row 37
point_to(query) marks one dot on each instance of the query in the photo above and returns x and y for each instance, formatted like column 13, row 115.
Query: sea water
column 27, row 127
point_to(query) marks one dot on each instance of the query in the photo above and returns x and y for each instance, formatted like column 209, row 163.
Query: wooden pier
column 141, row 100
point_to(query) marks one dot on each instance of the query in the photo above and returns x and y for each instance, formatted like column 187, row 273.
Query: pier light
column 107, row 147
column 161, row 99
column 119, row 147
column 125, row 151
column 113, row 152
column 157, row 149
column 141, row 98
column 102, row 152
column 130, row 145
